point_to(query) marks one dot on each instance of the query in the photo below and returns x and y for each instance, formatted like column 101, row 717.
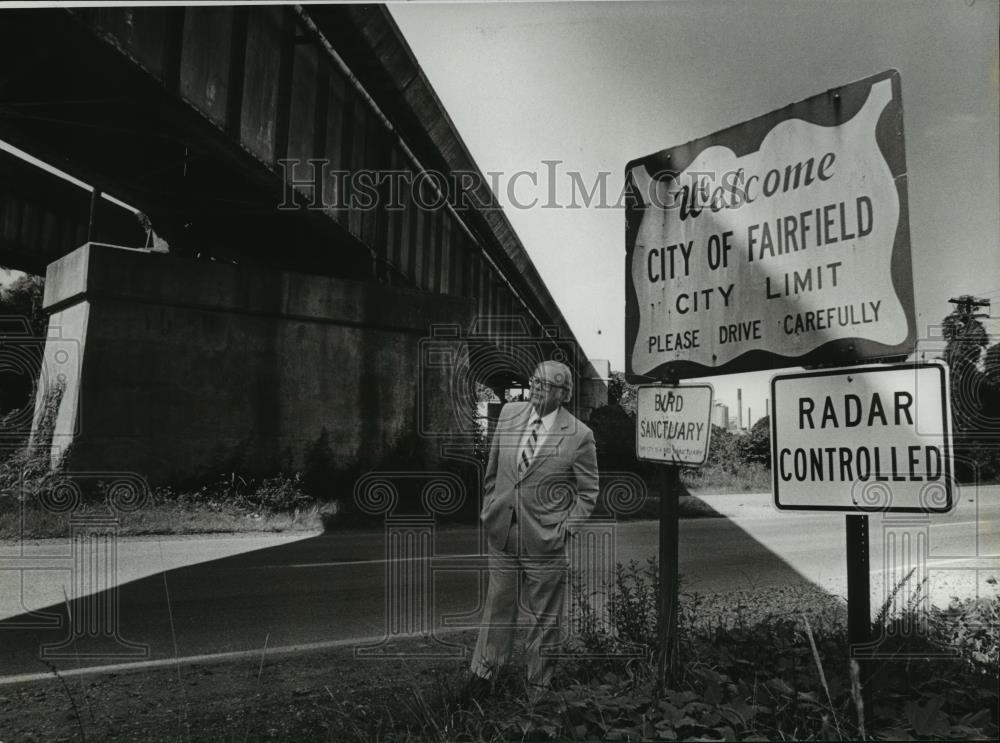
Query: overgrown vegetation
column 267, row 495
column 736, row 462
column 23, row 326
column 21, row 299
column 37, row 499
column 746, row 672
column 753, row 666
column 729, row 478
column 33, row 505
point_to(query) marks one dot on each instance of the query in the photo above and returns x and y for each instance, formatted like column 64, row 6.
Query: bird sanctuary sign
column 782, row 241
column 862, row 439
column 673, row 425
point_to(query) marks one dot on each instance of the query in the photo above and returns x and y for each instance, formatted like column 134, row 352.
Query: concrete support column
column 177, row 368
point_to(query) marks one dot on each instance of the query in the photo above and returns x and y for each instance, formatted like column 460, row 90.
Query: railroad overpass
column 280, row 301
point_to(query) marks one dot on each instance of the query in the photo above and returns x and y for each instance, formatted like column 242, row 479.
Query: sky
column 545, row 93
column 595, row 85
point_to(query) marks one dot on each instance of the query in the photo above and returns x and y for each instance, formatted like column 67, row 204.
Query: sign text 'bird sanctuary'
column 673, row 424
column 777, row 242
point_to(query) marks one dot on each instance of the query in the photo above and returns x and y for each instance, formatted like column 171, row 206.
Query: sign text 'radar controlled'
column 862, row 439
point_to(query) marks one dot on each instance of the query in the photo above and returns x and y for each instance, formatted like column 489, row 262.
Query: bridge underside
column 266, row 339
column 69, row 100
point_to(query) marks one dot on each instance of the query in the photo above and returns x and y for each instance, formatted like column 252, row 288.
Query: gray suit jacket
column 558, row 489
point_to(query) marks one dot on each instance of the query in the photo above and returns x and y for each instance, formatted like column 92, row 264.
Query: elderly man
column 541, row 480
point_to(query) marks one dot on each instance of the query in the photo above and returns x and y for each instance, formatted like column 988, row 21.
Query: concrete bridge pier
column 179, row 369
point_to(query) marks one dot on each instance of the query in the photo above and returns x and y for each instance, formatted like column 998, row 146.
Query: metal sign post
column 669, row 573
column 673, row 428
column 859, row 599
column 723, row 275
column 858, row 579
column 862, row 439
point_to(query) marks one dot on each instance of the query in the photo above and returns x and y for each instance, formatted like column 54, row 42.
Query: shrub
column 614, row 435
column 766, row 673
column 750, row 670
column 971, row 628
column 738, row 477
column 278, row 494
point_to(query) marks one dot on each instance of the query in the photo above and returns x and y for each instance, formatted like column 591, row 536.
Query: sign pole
column 674, row 429
column 668, row 571
column 667, row 627
column 858, row 599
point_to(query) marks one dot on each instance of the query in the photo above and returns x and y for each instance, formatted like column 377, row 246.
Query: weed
column 746, row 674
column 278, row 494
column 72, row 699
column 742, row 477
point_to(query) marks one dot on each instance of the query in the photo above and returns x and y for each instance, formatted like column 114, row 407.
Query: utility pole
column 966, row 306
column 965, row 350
column 965, row 312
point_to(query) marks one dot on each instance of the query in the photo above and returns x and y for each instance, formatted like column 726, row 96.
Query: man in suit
column 541, row 481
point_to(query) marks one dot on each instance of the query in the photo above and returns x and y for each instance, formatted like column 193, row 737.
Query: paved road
column 182, row 597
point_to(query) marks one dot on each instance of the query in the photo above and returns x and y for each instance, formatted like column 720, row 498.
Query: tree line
column 974, row 378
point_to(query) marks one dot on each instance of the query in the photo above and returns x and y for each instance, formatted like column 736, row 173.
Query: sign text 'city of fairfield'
column 784, row 239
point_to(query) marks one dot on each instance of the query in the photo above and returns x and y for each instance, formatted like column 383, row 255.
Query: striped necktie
column 528, row 452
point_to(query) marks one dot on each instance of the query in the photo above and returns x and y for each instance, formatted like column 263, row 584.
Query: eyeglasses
column 542, row 383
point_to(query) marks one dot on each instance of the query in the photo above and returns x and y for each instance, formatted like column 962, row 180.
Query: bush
column 24, row 321
column 737, row 477
column 755, row 447
column 271, row 495
column 752, row 667
column 735, row 463
column 971, row 628
column 755, row 672
column 22, row 298
column 614, row 435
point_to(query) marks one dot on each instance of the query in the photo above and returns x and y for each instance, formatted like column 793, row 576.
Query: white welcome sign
column 780, row 241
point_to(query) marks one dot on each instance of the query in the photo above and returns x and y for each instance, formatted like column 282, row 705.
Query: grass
column 34, row 522
column 29, row 520
column 36, row 504
column 738, row 478
column 326, row 695
column 752, row 667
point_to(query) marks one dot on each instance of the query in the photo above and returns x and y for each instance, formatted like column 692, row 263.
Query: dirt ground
column 320, row 696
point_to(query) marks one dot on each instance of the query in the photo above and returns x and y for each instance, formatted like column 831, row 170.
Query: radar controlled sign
column 781, row 241
column 862, row 439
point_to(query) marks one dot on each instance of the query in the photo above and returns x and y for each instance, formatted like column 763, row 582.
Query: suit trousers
column 538, row 585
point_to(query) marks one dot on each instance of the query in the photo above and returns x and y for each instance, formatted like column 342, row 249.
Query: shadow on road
column 321, row 589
